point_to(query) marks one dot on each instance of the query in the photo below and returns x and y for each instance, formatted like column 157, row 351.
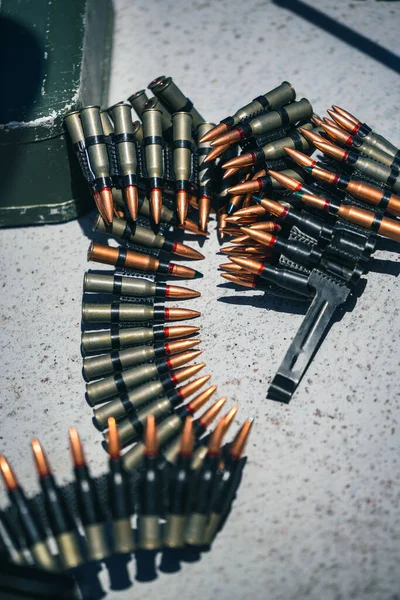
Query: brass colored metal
column 106, row 122
column 70, row 553
column 174, row 534
column 212, row 528
column 123, row 536
column 91, row 123
column 149, row 529
column 165, row 431
column 279, row 96
column 196, row 528
column 126, row 152
column 159, row 408
column 96, row 540
column 42, row 557
column 139, row 396
column 74, row 127
column 98, row 366
column 198, row 457
column 166, row 117
column 348, row 140
column 98, row 391
column 138, row 101
column 152, row 132
column 96, row 341
column 268, row 122
column 172, row 97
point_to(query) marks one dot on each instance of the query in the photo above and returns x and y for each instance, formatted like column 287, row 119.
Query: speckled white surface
column 317, row 513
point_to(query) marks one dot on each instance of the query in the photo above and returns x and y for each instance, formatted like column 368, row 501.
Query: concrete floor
column 317, row 513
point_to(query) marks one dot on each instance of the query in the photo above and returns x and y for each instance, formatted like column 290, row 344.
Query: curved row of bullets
column 291, row 234
column 164, row 466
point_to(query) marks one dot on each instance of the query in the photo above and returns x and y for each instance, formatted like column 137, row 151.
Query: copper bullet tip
column 253, row 266
column 9, row 478
column 150, row 437
column 274, row 208
column 262, row 237
column 180, row 314
column 229, row 138
column 78, row 457
column 182, row 205
column 180, row 375
column 187, row 437
column 216, row 152
column 286, row 181
column 132, row 201
column 317, row 120
column 337, row 134
column 346, row 114
column 187, row 251
column 343, row 122
column 246, row 187
column 228, row 419
column 331, row 150
column 201, row 399
column 244, row 160
column 181, row 293
column 114, row 446
column 156, row 204
column 231, row 268
column 177, row 360
column 178, row 331
column 183, row 272
column 39, row 456
column 254, row 249
column 251, row 211
column 312, row 137
column 245, row 280
column 214, row 445
column 330, row 122
column 301, row 159
column 107, row 205
column 191, row 226
column 239, row 442
column 204, row 212
column 193, row 386
column 212, row 412
column 230, row 171
column 218, row 130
